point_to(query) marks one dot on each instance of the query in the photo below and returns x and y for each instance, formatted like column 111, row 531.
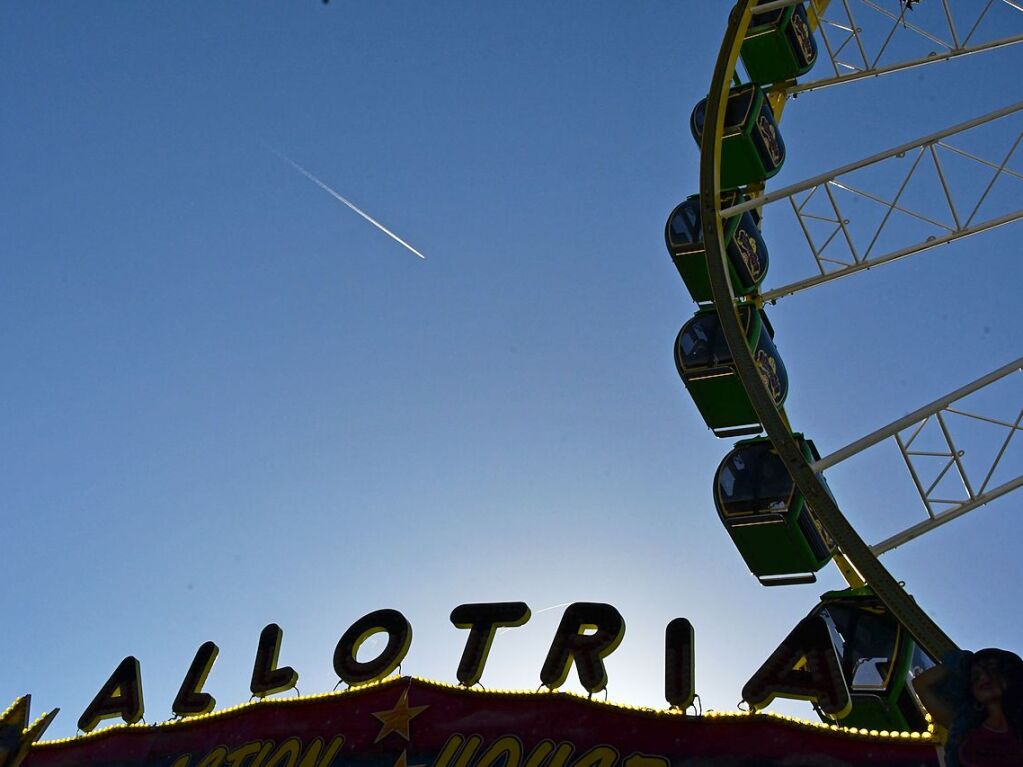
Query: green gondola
column 779, row 45
column 879, row 660
column 752, row 149
column 705, row 365
column 747, row 251
column 766, row 515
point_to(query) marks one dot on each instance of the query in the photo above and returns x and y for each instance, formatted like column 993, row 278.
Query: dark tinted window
column 754, row 480
column 872, row 652
column 921, row 661
column 698, row 117
column 684, row 228
column 736, row 111
column 701, row 344
column 770, row 17
column 865, row 639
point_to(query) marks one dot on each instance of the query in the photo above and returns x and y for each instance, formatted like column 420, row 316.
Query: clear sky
column 228, row 400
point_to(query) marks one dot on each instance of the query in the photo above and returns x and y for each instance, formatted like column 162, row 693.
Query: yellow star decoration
column 397, row 719
column 16, row 734
column 403, row 761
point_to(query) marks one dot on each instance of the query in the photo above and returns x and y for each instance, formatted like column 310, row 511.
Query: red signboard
column 405, row 722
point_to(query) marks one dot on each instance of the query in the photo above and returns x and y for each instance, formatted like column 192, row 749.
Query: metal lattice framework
column 863, row 38
column 847, row 41
column 846, row 245
column 854, row 550
column 931, row 467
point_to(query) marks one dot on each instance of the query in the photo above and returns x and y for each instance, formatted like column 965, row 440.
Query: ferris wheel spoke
column 846, row 269
column 915, row 531
column 848, row 241
column 950, row 488
column 878, row 41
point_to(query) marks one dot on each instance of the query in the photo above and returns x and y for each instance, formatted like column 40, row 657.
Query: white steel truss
column 845, row 244
column 882, row 38
column 947, row 417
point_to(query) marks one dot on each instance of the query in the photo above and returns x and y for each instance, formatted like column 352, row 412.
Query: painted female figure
column 978, row 698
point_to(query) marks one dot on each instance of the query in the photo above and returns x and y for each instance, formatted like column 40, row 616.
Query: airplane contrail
column 552, row 607
column 337, row 196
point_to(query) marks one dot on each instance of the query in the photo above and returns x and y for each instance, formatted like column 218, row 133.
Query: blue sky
column 228, row 400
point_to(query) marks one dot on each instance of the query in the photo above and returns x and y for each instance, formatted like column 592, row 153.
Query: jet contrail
column 552, row 607
column 336, row 196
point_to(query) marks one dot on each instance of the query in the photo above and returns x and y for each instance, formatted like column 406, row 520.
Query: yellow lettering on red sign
column 267, row 753
column 507, row 751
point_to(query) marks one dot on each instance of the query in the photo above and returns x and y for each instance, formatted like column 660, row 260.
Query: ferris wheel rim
column 933, row 639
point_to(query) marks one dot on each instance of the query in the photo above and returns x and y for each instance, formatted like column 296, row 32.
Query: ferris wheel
column 770, row 490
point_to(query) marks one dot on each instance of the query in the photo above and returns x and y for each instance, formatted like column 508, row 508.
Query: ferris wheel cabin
column 879, row 659
column 752, row 149
column 767, row 517
column 779, row 45
column 705, row 365
column 747, row 251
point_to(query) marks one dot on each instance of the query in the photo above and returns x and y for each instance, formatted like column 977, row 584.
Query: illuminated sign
column 405, row 722
column 804, row 666
column 589, row 632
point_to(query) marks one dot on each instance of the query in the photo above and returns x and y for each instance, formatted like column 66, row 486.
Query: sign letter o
column 399, row 637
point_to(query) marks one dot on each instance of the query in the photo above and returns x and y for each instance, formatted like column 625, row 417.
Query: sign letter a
column 120, row 696
column 806, row 667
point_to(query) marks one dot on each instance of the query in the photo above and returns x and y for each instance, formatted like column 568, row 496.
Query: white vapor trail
column 337, row 196
column 552, row 607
